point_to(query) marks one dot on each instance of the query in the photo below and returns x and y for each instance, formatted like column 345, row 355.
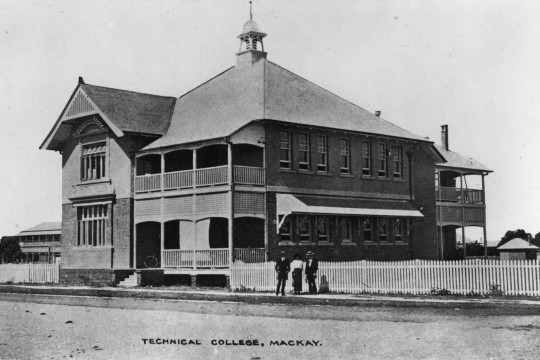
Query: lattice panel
column 79, row 105
column 178, row 206
column 212, row 203
column 249, row 203
column 150, row 207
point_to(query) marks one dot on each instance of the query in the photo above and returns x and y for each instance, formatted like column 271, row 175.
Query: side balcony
column 459, row 195
column 218, row 175
column 210, row 165
column 460, row 214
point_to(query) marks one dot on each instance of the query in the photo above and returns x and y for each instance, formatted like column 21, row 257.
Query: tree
column 475, row 248
column 520, row 233
column 10, row 250
column 536, row 240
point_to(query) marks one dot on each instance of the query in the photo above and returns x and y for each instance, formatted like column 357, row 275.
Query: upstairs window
column 304, row 228
column 91, row 224
column 93, row 161
column 383, row 230
column 284, row 149
column 381, row 157
column 345, row 153
column 397, row 162
column 322, row 229
column 366, row 158
column 303, row 152
column 322, row 153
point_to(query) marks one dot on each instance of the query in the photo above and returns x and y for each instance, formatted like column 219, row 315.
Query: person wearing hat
column 283, row 267
column 312, row 266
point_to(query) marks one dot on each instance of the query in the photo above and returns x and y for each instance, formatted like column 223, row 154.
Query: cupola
column 251, row 43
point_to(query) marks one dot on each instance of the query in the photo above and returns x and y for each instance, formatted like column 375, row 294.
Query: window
column 345, row 154
column 381, row 157
column 322, row 229
column 397, row 162
column 366, row 158
column 398, row 230
column 383, row 230
column 93, row 161
column 346, row 229
column 322, row 153
column 367, row 230
column 285, row 229
column 304, row 228
column 303, row 149
column 92, row 224
column 284, row 149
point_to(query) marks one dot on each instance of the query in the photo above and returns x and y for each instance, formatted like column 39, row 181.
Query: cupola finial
column 250, row 12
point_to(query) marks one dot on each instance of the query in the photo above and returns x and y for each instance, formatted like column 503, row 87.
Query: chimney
column 377, row 113
column 444, row 137
column 81, row 81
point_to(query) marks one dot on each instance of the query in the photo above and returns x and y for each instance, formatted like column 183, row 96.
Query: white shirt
column 297, row 264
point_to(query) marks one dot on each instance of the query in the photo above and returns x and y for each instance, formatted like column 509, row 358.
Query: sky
column 473, row 65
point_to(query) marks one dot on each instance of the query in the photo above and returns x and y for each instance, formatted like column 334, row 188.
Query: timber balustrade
column 209, row 258
column 203, row 177
column 467, row 196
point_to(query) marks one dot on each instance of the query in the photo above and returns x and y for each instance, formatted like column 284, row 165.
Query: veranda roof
column 288, row 204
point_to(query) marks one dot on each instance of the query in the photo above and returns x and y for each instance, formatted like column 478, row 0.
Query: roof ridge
column 128, row 91
column 206, row 82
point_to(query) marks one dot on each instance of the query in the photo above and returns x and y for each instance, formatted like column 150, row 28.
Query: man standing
column 283, row 267
column 312, row 266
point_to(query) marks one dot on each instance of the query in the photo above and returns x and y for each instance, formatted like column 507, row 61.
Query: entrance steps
column 129, row 282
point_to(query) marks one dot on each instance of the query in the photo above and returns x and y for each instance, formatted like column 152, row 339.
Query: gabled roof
column 46, row 228
column 517, row 244
column 458, row 161
column 265, row 90
column 122, row 110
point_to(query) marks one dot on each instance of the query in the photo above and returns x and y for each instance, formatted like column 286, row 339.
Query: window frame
column 288, row 223
column 369, row 221
column 303, row 152
column 401, row 227
column 397, row 159
column 304, row 237
column 326, row 238
column 366, row 158
column 382, row 159
column 322, row 153
column 92, row 224
column 285, row 148
column 383, row 223
column 345, row 156
column 100, row 156
column 346, row 233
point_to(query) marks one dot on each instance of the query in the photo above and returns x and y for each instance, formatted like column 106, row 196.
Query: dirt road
column 137, row 329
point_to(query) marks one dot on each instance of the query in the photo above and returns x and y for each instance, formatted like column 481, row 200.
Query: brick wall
column 122, row 231
column 92, row 277
column 424, row 236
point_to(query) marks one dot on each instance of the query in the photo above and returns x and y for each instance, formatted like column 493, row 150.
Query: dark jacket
column 283, row 267
column 311, row 270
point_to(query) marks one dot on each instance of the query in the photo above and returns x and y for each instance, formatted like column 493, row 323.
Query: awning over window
column 290, row 204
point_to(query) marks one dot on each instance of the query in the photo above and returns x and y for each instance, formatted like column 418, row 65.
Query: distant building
column 255, row 161
column 41, row 243
column 518, row 249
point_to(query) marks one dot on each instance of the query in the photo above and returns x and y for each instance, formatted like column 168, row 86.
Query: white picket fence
column 29, row 273
column 517, row 277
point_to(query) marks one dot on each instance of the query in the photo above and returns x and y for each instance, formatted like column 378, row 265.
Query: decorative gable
column 80, row 106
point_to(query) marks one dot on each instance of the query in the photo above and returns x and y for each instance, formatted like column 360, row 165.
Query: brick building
column 255, row 161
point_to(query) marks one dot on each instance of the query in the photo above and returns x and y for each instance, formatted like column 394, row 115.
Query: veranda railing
column 519, row 277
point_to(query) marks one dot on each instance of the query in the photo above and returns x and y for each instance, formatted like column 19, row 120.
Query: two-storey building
column 255, row 161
